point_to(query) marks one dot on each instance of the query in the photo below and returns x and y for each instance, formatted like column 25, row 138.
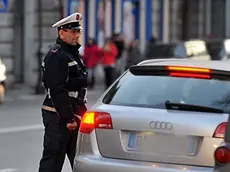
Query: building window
column 218, row 18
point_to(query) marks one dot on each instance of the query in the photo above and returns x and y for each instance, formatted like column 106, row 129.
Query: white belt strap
column 51, row 109
column 73, row 94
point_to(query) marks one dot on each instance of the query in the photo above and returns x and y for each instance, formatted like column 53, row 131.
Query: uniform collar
column 73, row 49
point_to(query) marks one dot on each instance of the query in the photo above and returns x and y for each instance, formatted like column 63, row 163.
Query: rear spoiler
column 145, row 62
column 180, row 70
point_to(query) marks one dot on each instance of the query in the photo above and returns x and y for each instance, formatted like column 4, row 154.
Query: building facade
column 103, row 17
column 167, row 20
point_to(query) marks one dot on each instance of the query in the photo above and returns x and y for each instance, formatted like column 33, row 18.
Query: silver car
column 159, row 116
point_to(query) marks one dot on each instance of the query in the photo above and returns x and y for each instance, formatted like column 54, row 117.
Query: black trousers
column 58, row 142
column 109, row 76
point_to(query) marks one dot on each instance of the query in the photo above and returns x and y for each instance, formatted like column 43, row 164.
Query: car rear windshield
column 154, row 91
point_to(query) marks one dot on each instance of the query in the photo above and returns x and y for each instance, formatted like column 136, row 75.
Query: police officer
column 65, row 79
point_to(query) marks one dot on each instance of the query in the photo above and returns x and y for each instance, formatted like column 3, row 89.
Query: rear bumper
column 87, row 163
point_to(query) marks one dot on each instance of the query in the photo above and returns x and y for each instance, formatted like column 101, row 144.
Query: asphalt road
column 21, row 132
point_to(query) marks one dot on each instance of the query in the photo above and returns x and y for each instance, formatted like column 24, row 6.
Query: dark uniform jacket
column 64, row 72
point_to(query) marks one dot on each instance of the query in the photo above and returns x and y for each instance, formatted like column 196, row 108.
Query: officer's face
column 70, row 36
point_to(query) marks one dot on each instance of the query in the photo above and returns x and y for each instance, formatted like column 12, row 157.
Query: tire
column 2, row 93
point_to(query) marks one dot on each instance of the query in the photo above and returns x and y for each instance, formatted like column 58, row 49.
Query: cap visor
column 76, row 28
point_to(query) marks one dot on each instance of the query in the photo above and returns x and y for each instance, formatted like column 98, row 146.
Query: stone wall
column 6, row 39
column 14, row 50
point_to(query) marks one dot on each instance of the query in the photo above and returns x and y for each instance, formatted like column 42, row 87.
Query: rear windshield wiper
column 191, row 107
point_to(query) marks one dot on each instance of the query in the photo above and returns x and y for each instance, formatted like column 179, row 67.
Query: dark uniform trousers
column 58, row 142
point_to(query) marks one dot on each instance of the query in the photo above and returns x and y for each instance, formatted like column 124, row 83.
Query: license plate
column 135, row 140
column 162, row 144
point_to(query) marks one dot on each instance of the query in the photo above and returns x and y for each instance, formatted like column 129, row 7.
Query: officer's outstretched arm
column 56, row 80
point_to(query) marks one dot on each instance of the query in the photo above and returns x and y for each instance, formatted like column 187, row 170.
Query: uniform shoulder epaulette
column 55, row 49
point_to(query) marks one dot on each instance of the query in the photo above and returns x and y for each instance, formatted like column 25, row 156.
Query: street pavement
column 21, row 130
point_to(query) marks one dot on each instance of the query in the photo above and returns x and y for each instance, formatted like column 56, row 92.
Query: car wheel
column 2, row 93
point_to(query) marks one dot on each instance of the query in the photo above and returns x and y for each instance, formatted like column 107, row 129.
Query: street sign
column 3, row 5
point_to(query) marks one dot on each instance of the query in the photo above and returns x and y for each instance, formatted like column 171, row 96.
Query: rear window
column 154, row 91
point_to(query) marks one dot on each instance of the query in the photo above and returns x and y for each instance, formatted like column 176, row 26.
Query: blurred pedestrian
column 91, row 58
column 65, row 79
column 110, row 53
column 118, row 40
column 133, row 54
column 150, row 48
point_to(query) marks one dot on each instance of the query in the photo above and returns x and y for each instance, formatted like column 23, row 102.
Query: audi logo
column 160, row 125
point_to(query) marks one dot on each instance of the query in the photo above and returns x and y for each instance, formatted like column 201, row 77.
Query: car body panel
column 187, row 144
column 187, row 141
column 89, row 159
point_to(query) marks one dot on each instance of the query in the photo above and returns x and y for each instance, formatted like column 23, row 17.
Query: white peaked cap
column 70, row 22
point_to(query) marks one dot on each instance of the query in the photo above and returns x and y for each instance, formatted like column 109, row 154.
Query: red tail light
column 188, row 69
column 93, row 120
column 191, row 72
column 220, row 130
column 189, row 75
column 222, row 155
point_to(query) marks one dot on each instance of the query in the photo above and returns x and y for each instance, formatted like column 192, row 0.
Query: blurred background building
column 167, row 20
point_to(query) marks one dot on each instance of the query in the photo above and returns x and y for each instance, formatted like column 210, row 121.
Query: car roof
column 216, row 65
